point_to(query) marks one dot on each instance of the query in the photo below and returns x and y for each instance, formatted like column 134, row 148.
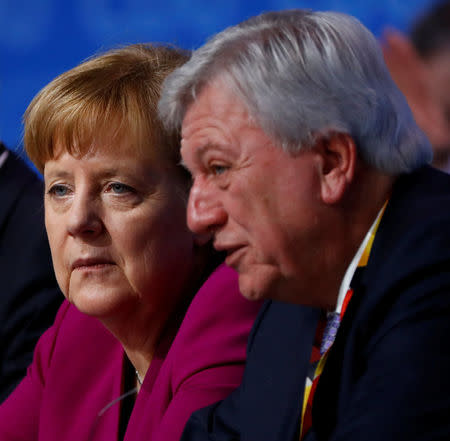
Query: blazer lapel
column 276, row 371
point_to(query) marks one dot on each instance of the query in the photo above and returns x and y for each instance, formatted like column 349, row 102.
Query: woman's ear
column 337, row 161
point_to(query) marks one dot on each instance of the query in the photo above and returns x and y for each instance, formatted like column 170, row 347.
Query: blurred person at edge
column 420, row 65
column 29, row 293
column 153, row 326
column 310, row 171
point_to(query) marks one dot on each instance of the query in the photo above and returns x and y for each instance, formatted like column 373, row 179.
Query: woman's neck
column 141, row 325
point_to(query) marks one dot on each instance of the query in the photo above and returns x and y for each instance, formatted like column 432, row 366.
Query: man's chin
column 257, row 286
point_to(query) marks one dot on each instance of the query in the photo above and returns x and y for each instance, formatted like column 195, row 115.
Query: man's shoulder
column 426, row 184
column 18, row 182
column 416, row 222
column 411, row 252
column 15, row 166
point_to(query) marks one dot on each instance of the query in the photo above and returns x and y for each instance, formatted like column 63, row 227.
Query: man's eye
column 219, row 169
column 58, row 190
column 119, row 188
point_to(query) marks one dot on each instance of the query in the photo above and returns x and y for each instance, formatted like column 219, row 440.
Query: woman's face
column 117, row 231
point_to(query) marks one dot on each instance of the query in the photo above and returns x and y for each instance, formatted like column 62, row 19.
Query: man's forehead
column 215, row 100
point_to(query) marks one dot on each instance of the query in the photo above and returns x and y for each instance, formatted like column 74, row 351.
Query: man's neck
column 356, row 217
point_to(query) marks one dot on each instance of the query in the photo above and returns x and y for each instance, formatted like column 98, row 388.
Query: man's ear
column 337, row 155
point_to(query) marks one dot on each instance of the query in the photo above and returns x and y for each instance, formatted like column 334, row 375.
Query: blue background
column 39, row 39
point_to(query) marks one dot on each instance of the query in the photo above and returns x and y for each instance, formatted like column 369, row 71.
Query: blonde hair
column 115, row 93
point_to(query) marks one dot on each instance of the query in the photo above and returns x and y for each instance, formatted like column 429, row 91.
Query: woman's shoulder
column 218, row 319
column 72, row 333
column 219, row 299
column 71, row 323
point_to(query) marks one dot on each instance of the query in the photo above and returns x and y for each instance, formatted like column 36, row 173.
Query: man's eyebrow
column 199, row 151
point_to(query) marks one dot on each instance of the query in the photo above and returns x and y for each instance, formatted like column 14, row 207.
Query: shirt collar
column 345, row 284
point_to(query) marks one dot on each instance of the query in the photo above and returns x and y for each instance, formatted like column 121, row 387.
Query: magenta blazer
column 78, row 369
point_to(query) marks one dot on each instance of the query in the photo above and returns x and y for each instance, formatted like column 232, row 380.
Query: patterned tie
column 329, row 334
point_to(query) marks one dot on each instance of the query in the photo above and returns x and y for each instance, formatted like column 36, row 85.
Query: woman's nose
column 205, row 213
column 84, row 219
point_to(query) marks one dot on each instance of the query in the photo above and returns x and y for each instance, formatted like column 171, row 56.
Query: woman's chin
column 101, row 302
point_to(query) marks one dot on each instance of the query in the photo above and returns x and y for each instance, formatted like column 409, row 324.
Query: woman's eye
column 119, row 188
column 58, row 190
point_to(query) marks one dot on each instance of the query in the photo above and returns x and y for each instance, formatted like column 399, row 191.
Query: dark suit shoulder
column 412, row 245
column 390, row 359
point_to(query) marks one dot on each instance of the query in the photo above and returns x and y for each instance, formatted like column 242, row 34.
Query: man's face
column 261, row 203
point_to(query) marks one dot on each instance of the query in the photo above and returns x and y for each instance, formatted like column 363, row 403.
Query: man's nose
column 84, row 219
column 205, row 213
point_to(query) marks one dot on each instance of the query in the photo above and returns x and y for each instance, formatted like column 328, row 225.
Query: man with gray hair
column 311, row 174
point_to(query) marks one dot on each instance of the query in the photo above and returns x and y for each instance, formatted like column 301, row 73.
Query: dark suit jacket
column 28, row 289
column 387, row 376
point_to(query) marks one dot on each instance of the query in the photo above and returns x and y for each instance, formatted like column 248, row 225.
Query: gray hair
column 303, row 75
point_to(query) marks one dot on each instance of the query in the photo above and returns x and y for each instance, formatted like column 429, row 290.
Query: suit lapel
column 276, row 371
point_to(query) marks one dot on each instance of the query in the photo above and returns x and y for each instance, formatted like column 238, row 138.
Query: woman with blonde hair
column 153, row 326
